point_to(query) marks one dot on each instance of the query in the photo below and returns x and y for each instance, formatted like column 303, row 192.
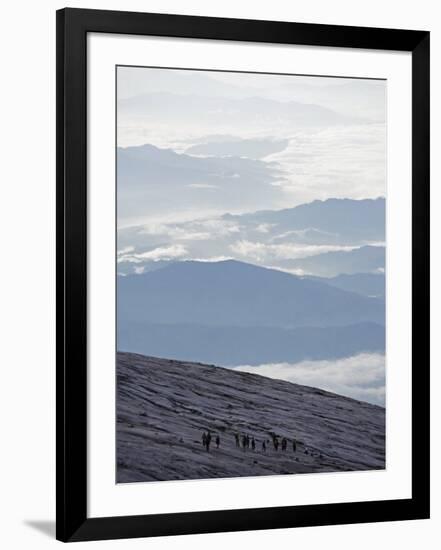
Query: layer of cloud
column 361, row 376
column 341, row 162
column 126, row 250
column 262, row 252
column 172, row 252
column 193, row 230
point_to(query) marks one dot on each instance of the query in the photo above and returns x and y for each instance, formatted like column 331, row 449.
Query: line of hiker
column 244, row 441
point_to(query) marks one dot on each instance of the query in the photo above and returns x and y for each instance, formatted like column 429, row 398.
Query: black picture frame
column 71, row 321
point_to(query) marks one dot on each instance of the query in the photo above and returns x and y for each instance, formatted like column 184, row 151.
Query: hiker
column 253, row 444
column 284, row 443
column 248, row 441
column 236, row 437
column 264, row 446
column 275, row 443
column 217, row 442
column 294, row 445
column 244, row 442
column 204, row 439
column 208, row 441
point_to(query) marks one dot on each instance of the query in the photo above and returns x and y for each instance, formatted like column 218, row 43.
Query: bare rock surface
column 164, row 406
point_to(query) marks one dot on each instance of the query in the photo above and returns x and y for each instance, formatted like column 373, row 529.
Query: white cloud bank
column 261, row 252
column 171, row 252
column 360, row 376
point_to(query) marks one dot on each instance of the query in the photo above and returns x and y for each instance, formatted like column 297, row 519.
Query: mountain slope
column 164, row 406
column 347, row 218
column 368, row 259
column 367, row 284
column 231, row 293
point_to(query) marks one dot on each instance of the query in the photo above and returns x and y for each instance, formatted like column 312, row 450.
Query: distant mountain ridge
column 366, row 259
column 153, row 180
column 345, row 225
column 146, row 163
column 365, row 218
column 232, row 293
column 166, row 106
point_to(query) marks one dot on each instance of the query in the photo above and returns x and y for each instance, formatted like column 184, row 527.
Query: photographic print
column 250, row 274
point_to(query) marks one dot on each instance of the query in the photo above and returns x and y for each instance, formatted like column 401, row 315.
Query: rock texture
column 164, row 406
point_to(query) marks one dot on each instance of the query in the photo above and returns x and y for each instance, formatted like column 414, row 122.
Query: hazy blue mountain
column 334, row 222
column 166, row 107
column 368, row 284
column 346, row 95
column 232, row 346
column 231, row 293
column 152, row 181
column 370, row 259
column 147, row 164
column 343, row 95
column 346, row 218
column 182, row 82
column 349, row 96
column 237, row 147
